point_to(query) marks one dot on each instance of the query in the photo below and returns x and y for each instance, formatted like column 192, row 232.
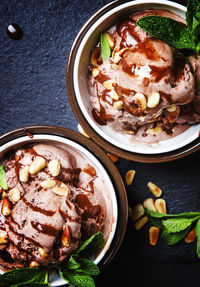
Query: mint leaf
column 36, row 284
column 174, row 225
column 91, row 245
column 76, row 279
column 3, row 182
column 193, row 14
column 72, row 262
column 105, row 47
column 88, row 267
column 197, row 231
column 24, row 276
column 171, row 238
column 159, row 215
column 168, row 30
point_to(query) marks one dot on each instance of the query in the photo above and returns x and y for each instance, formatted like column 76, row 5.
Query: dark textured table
column 33, row 91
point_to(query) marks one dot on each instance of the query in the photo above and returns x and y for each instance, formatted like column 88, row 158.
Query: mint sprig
column 105, row 47
column 77, row 270
column 24, row 276
column 3, row 182
column 175, row 33
column 176, row 226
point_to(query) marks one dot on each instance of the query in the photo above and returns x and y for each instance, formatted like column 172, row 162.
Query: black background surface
column 33, row 91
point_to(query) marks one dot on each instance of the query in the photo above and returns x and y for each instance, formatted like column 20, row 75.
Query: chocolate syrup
column 45, row 228
column 90, row 210
column 37, row 208
column 14, row 32
column 126, row 30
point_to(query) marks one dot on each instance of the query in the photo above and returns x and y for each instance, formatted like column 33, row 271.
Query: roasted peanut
column 137, row 212
column 153, row 235
column 141, row 222
column 149, row 204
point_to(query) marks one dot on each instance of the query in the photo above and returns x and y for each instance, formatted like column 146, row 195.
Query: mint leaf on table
column 105, row 47
column 171, row 238
column 91, row 245
column 159, row 215
column 3, row 182
column 168, row 30
column 175, row 225
column 197, row 231
column 18, row 277
column 76, row 279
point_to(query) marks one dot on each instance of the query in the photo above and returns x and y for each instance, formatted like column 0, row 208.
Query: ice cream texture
column 146, row 88
column 54, row 201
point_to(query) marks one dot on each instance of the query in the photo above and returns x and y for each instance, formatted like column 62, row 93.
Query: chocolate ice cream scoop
column 145, row 83
column 51, row 205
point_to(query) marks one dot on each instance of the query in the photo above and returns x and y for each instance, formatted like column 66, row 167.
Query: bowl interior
column 80, row 71
column 109, row 191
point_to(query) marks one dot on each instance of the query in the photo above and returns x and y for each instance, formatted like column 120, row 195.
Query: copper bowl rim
column 145, row 158
column 109, row 166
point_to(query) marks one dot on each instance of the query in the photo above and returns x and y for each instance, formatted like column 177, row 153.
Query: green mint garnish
column 76, row 270
column 3, row 182
column 197, row 231
column 176, row 226
column 105, row 47
column 24, row 276
column 175, row 33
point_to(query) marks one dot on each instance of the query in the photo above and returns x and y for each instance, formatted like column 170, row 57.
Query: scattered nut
column 160, row 205
column 157, row 191
column 65, row 238
column 95, row 55
column 34, row 264
column 137, row 212
column 154, row 131
column 109, row 84
column 63, row 185
column 130, row 176
column 118, row 105
column 3, row 237
column 90, row 170
column 62, row 191
column 110, row 40
column 95, row 72
column 153, row 100
column 6, row 207
column 141, row 222
column 141, row 100
column 43, row 253
column 113, row 95
column 54, row 167
column 113, row 157
column 128, row 132
column 117, row 54
column 48, row 183
column 191, row 236
column 15, row 194
column 38, row 163
column 171, row 109
column 24, row 174
column 81, row 130
column 149, row 204
column 153, row 235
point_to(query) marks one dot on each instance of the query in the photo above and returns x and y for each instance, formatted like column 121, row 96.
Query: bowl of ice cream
column 54, row 199
column 142, row 102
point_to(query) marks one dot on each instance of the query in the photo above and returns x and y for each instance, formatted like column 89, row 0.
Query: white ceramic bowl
column 110, row 194
column 83, row 44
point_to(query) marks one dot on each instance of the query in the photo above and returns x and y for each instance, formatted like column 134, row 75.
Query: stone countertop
column 33, row 91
